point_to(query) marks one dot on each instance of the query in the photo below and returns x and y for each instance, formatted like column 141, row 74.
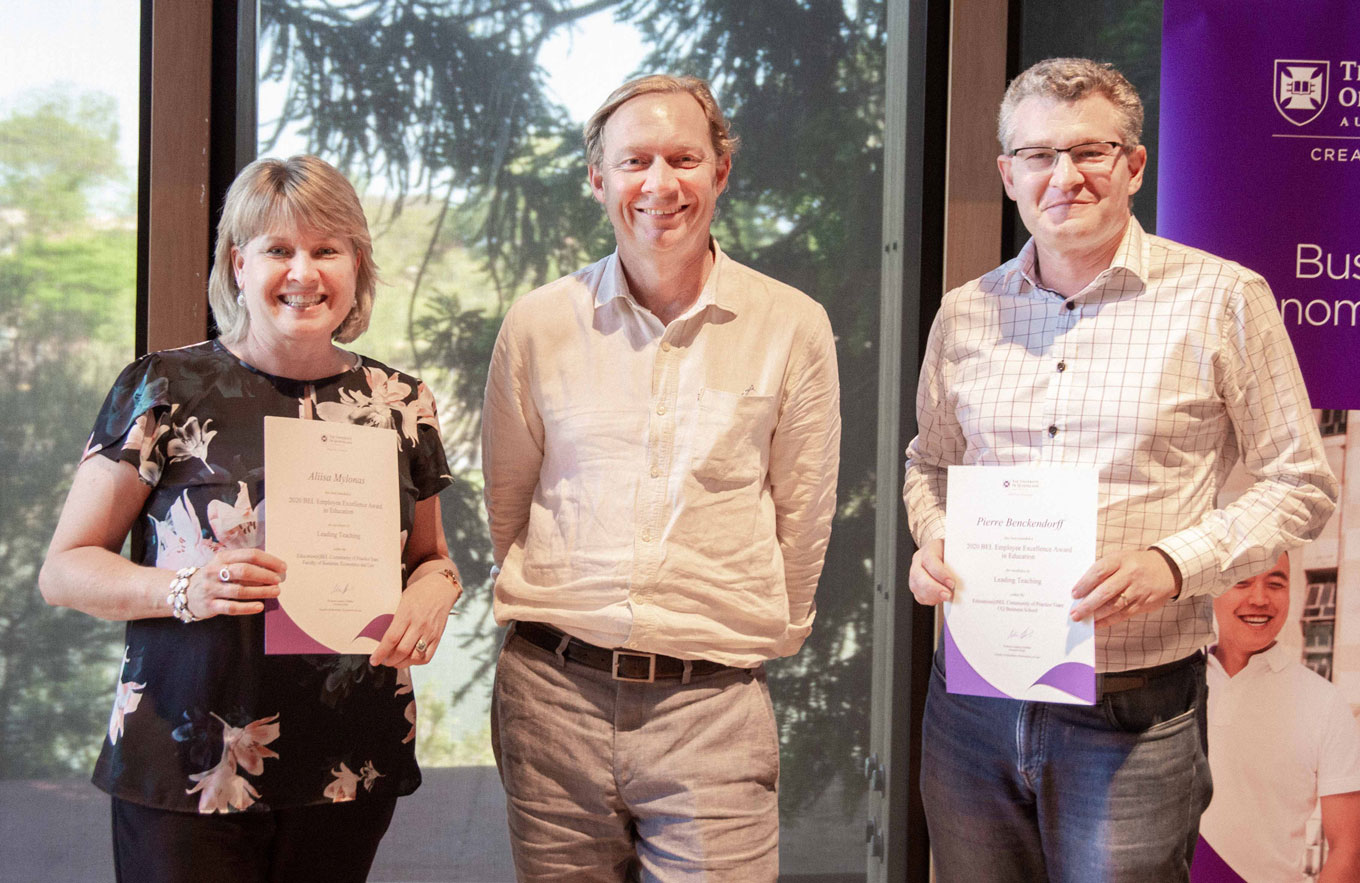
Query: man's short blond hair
column 719, row 130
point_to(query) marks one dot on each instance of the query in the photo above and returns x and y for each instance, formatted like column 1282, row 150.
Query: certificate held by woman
column 335, row 517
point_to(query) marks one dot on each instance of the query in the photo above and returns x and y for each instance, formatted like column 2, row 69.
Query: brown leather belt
column 1123, row 681
column 623, row 665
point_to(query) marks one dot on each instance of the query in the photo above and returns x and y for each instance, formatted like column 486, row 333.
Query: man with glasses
column 1103, row 346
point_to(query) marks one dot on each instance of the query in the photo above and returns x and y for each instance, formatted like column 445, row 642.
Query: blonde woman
column 224, row 763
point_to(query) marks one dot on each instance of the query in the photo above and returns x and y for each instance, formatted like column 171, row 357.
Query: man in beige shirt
column 660, row 446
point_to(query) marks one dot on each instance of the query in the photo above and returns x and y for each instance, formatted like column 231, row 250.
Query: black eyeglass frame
column 1059, row 151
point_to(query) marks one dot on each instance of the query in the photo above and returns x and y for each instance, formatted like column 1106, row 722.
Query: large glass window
column 461, row 123
column 68, row 241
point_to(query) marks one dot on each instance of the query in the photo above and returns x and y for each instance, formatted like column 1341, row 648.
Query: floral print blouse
column 203, row 721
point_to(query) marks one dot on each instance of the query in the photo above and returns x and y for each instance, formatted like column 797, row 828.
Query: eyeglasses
column 1091, row 156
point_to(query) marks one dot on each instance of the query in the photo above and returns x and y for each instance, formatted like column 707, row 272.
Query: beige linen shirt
column 1163, row 372
column 668, row 489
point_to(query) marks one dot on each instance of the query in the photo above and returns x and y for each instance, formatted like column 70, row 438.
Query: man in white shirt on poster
column 660, row 445
column 1282, row 739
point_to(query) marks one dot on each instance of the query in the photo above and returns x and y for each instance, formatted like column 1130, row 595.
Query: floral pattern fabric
column 203, row 721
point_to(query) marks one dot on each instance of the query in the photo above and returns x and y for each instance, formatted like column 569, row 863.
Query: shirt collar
column 1277, row 657
column 614, row 284
column 1130, row 257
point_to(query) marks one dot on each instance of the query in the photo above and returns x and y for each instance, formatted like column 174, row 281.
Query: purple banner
column 1259, row 162
column 1209, row 866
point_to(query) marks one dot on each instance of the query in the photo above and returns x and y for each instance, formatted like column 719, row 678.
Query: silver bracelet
column 179, row 603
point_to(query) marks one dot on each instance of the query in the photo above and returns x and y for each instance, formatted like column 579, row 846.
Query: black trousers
column 331, row 842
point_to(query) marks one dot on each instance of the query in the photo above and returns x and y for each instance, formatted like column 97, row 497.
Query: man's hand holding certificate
column 334, row 518
column 1017, row 540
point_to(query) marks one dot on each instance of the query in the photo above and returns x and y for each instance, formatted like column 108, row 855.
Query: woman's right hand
column 235, row 582
column 84, row 570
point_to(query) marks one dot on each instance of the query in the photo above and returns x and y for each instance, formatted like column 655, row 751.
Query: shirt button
column 656, row 472
column 1052, row 431
column 1062, row 366
column 661, row 408
column 665, row 346
column 646, row 536
column 1071, row 305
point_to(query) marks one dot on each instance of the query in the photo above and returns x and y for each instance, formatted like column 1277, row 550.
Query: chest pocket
column 731, row 438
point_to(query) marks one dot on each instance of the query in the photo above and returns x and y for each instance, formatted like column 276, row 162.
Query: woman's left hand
column 421, row 616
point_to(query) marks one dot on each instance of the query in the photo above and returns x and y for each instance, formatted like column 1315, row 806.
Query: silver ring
column 224, row 574
column 421, row 646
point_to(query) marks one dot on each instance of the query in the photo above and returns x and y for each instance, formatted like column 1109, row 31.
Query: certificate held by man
column 333, row 516
column 1017, row 539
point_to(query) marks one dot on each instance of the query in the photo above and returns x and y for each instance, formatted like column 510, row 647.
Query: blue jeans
column 1031, row 791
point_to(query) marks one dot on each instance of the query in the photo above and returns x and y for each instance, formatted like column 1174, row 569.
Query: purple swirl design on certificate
column 284, row 636
column 960, row 676
column 1073, row 678
column 376, row 628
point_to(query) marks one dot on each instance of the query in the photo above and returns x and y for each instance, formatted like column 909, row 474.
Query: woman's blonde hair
column 299, row 192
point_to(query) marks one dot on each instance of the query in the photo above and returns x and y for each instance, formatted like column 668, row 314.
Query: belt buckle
column 651, row 666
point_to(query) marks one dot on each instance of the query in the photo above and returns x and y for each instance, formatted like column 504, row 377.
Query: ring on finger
column 1123, row 600
column 224, row 574
column 422, row 646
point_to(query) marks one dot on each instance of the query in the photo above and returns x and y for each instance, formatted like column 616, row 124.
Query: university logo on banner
column 1300, row 89
column 1294, row 74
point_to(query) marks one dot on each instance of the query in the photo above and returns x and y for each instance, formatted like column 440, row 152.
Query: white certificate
column 334, row 518
column 1017, row 539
